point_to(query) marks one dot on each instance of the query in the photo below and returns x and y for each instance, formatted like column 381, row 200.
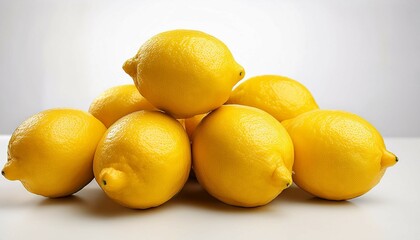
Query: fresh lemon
column 242, row 155
column 143, row 160
column 282, row 97
column 191, row 124
column 338, row 155
column 184, row 72
column 51, row 153
column 116, row 102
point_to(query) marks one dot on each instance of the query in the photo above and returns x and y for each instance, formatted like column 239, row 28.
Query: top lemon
column 282, row 97
column 184, row 72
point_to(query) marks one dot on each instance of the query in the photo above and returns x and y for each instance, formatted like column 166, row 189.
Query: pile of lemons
column 245, row 146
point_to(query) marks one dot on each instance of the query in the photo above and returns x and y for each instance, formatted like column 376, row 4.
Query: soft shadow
column 71, row 201
column 100, row 206
column 90, row 202
column 93, row 202
column 296, row 195
column 195, row 196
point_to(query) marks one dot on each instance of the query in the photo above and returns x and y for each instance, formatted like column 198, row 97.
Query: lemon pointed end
column 388, row 159
column 10, row 171
column 111, row 179
column 282, row 177
column 240, row 72
column 130, row 67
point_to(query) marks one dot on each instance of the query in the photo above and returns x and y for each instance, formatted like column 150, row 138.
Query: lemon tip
column 388, row 159
column 112, row 179
column 10, row 171
column 282, row 177
column 241, row 72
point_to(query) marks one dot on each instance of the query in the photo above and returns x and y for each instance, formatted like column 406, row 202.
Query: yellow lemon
column 116, row 102
column 184, row 72
column 282, row 97
column 143, row 160
column 51, row 153
column 338, row 155
column 242, row 155
column 191, row 124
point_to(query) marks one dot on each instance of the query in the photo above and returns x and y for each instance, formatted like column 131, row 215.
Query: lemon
column 184, row 72
column 191, row 124
column 143, row 160
column 338, row 155
column 242, row 156
column 116, row 102
column 51, row 153
column 282, row 97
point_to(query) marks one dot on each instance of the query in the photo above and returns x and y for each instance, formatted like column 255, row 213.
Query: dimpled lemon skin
column 282, row 97
column 242, row 156
column 143, row 160
column 51, row 153
column 116, row 102
column 338, row 155
column 184, row 72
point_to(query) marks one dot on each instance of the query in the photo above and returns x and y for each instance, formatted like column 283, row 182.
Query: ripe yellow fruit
column 51, row 153
column 143, row 160
column 338, row 155
column 242, row 156
column 116, row 102
column 282, row 97
column 184, row 72
column 191, row 124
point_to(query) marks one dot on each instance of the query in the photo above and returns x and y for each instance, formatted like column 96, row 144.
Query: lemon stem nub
column 388, row 159
column 10, row 171
column 112, row 179
column 130, row 67
column 282, row 177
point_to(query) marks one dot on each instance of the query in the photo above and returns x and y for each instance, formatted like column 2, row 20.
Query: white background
column 360, row 56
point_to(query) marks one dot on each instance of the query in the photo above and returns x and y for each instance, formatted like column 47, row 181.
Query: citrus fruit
column 192, row 122
column 338, row 155
column 143, row 160
column 282, row 97
column 184, row 72
column 116, row 102
column 51, row 153
column 242, row 156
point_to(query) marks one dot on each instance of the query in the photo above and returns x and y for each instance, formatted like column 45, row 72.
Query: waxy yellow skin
column 242, row 156
column 143, row 160
column 338, row 155
column 51, row 153
column 282, row 97
column 116, row 102
column 184, row 72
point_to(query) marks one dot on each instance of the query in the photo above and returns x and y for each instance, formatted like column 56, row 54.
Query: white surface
column 360, row 55
column 389, row 211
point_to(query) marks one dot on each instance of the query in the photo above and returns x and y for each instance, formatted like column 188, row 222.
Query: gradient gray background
column 359, row 56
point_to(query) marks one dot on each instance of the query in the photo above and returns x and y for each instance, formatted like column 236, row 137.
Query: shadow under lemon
column 195, row 196
column 296, row 195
